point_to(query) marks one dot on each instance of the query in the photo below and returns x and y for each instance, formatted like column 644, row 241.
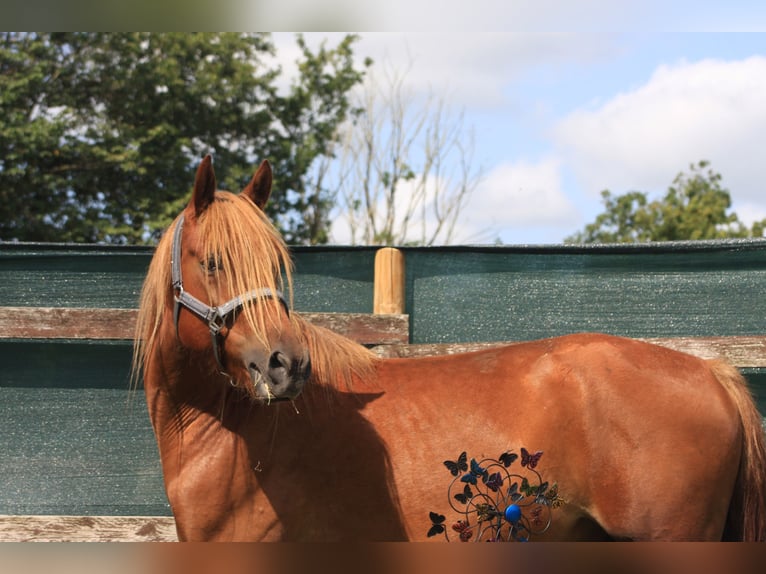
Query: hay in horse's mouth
column 261, row 387
column 255, row 374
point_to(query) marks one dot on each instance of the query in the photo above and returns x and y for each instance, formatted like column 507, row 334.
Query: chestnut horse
column 270, row 428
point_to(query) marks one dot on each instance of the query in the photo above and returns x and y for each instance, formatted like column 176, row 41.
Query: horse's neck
column 179, row 394
column 205, row 458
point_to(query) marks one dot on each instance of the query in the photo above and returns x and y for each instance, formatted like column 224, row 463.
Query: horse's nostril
column 279, row 360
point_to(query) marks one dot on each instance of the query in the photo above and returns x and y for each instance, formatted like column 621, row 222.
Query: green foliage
column 694, row 207
column 311, row 114
column 100, row 133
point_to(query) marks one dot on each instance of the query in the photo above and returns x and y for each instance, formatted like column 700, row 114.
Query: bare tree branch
column 405, row 166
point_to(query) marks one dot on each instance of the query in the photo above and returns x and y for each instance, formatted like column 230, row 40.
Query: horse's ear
column 204, row 186
column 259, row 187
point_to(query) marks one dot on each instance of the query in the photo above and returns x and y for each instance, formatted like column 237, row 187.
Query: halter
column 215, row 317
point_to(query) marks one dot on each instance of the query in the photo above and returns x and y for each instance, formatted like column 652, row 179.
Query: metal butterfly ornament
column 530, row 460
column 493, row 502
column 458, row 466
column 465, row 496
column 437, row 524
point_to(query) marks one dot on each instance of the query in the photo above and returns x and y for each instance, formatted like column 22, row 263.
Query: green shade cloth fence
column 75, row 440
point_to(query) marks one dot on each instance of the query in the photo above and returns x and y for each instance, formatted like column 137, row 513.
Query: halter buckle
column 217, row 322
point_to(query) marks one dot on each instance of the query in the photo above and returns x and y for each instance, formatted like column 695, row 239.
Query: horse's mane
column 252, row 253
column 154, row 293
column 335, row 360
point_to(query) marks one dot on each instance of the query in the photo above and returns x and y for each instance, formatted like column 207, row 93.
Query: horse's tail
column 746, row 520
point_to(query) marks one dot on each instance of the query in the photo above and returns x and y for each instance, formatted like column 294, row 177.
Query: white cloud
column 711, row 109
column 471, row 70
column 517, row 195
column 510, row 201
column 454, row 16
column 749, row 212
column 482, row 16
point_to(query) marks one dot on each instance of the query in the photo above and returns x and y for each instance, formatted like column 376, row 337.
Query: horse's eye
column 212, row 264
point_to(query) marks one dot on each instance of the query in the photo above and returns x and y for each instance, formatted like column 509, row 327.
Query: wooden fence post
column 388, row 295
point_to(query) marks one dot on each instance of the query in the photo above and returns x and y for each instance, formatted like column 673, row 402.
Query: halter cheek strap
column 215, row 317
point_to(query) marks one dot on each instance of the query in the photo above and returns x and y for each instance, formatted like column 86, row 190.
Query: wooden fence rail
column 119, row 324
column 387, row 333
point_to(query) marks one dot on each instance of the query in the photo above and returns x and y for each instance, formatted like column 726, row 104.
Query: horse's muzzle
column 281, row 377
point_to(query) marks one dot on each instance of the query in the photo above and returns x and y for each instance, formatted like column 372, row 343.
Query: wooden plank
column 365, row 328
column 741, row 351
column 87, row 529
column 81, row 323
column 66, row 323
column 390, row 332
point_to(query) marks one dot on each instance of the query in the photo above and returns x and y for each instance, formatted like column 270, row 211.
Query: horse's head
column 226, row 265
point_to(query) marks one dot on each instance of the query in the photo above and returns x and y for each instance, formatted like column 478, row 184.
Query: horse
column 270, row 428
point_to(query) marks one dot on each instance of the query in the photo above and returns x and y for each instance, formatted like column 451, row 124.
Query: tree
column 694, row 207
column 100, row 133
column 403, row 170
column 318, row 104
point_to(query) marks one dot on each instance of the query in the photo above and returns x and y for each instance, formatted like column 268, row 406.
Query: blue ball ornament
column 513, row 513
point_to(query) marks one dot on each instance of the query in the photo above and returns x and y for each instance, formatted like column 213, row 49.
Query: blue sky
column 558, row 117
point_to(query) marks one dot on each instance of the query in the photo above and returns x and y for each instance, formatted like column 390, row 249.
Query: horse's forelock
column 251, row 255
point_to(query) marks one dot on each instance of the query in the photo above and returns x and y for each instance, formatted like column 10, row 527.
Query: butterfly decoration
column 483, row 491
column 535, row 514
column 463, row 529
column 469, row 478
column 476, row 472
column 458, row 466
column 552, row 497
column 530, row 460
column 494, row 481
column 513, row 493
column 485, row 512
column 528, row 489
column 507, row 458
column 540, row 493
column 465, row 496
column 437, row 524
